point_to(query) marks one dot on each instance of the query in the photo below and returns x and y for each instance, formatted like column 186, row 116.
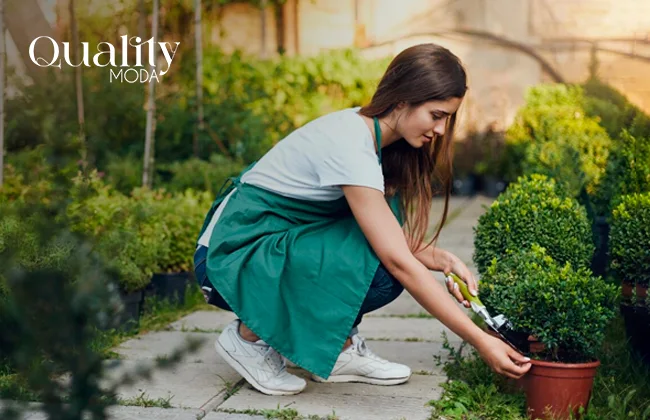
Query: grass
column 158, row 314
column 281, row 414
column 143, row 401
column 621, row 389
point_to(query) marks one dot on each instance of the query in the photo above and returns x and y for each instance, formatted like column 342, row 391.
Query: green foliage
column 127, row 230
column 249, row 105
column 534, row 210
column 567, row 309
column 553, row 136
column 630, row 238
column 628, row 170
column 460, row 401
column 182, row 215
column 621, row 389
column 613, row 110
column 200, row 175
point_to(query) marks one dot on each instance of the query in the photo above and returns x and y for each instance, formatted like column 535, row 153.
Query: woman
column 329, row 225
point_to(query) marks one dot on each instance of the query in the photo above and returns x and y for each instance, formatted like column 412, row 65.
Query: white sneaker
column 262, row 366
column 358, row 364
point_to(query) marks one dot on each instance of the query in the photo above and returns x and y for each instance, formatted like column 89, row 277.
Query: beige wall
column 499, row 76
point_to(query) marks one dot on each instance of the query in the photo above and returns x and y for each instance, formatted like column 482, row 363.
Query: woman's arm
column 385, row 235
column 437, row 259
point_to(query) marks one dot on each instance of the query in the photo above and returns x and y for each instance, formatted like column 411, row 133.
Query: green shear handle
column 464, row 290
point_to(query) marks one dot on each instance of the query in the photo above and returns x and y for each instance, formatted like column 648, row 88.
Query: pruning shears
column 499, row 324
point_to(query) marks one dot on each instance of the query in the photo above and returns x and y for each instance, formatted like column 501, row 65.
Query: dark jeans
column 383, row 290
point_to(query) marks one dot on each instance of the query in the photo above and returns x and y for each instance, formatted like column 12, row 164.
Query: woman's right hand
column 502, row 358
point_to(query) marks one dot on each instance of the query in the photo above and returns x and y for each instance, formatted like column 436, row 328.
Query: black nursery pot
column 637, row 329
column 601, row 235
column 171, row 286
column 464, row 186
column 493, row 186
column 133, row 305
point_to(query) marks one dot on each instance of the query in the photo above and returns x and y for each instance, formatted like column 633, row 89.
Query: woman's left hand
column 453, row 264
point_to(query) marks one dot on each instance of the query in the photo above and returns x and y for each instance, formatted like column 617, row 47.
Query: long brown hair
column 422, row 73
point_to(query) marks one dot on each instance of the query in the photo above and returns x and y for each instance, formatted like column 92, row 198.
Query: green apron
column 294, row 271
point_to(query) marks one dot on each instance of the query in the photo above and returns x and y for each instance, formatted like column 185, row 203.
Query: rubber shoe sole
column 361, row 379
column 243, row 372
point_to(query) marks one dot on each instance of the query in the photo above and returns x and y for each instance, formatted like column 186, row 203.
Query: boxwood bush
column 566, row 308
column 552, row 135
column 535, row 209
column 613, row 110
column 628, row 170
column 630, row 238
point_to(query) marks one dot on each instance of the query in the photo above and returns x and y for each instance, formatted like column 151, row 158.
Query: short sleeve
column 353, row 164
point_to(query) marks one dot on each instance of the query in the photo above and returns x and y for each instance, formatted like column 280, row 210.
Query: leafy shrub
column 124, row 173
column 200, row 175
column 183, row 215
column 613, row 110
column 628, row 170
column 127, row 230
column 566, row 308
column 630, row 238
column 553, row 136
column 535, row 209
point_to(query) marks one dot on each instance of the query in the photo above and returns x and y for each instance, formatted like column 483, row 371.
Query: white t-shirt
column 314, row 161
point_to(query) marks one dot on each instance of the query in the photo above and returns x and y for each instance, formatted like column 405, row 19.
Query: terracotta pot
column 558, row 389
column 536, row 346
column 627, row 290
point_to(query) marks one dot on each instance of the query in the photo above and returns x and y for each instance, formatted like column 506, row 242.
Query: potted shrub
column 567, row 309
column 182, row 215
column 630, row 256
column 127, row 233
column 534, row 210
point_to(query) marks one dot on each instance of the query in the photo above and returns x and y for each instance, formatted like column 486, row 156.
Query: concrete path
column 203, row 386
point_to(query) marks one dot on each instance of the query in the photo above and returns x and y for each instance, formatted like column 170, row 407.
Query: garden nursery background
column 105, row 182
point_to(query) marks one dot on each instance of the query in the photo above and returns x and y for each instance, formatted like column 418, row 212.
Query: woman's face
column 419, row 125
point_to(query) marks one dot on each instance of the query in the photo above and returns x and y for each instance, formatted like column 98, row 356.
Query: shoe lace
column 275, row 360
column 361, row 347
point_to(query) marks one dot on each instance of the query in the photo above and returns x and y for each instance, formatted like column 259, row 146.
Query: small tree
column 147, row 173
column 199, row 73
column 78, row 83
column 2, row 90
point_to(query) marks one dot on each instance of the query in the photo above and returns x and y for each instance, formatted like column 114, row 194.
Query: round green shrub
column 535, row 209
column 552, row 135
column 628, row 170
column 567, row 309
column 630, row 238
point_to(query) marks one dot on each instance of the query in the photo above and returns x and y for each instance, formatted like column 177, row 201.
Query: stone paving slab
column 191, row 383
column 349, row 400
column 187, row 385
column 149, row 413
column 405, row 329
column 204, row 321
column 163, row 343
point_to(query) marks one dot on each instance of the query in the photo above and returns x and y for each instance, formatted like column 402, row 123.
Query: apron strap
column 378, row 137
